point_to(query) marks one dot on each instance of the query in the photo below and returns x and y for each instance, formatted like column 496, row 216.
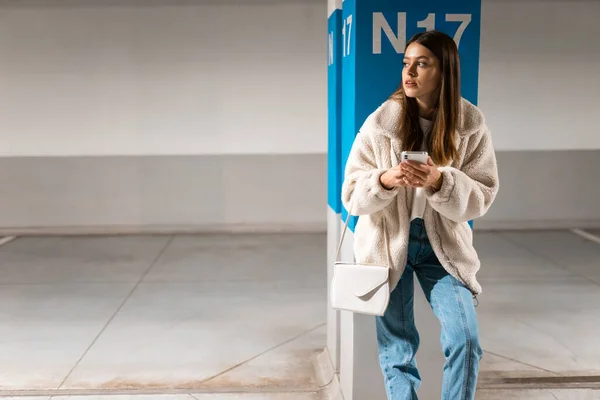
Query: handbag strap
column 385, row 236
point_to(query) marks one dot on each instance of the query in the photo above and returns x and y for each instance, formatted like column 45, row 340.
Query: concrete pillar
column 372, row 36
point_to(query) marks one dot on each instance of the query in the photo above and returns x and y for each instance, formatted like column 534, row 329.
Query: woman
column 426, row 209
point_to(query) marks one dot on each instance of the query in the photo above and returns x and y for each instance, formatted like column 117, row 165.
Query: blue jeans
column 452, row 304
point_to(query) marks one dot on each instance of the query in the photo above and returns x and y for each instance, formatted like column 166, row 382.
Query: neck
column 426, row 107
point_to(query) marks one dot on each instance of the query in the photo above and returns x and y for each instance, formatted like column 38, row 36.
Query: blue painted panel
column 374, row 34
column 334, row 104
column 349, row 80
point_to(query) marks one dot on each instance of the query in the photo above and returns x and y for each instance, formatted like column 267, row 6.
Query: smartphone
column 418, row 156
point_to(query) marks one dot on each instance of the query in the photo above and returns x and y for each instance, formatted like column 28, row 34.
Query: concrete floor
column 202, row 315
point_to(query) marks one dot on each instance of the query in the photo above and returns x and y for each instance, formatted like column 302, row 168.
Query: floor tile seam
column 586, row 235
column 522, row 363
column 240, row 364
column 156, row 392
column 494, row 386
column 63, row 283
column 6, row 240
column 119, row 308
column 548, row 259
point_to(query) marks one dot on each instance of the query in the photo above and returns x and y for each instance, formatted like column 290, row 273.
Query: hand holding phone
column 419, row 171
column 396, row 176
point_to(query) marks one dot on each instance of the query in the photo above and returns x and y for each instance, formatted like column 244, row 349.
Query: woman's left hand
column 421, row 175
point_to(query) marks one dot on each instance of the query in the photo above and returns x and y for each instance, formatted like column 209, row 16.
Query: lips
column 410, row 84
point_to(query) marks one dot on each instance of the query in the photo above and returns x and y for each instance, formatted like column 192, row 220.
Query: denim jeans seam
column 466, row 330
column 386, row 370
column 405, row 331
column 435, row 304
column 389, row 374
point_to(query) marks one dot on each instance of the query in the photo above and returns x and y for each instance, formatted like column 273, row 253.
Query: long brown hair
column 441, row 144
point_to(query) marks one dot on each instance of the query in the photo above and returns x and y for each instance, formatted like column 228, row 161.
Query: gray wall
column 257, row 192
column 141, row 194
column 108, row 78
column 551, row 189
column 195, row 115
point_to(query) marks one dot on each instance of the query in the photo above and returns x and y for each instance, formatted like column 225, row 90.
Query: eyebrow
column 419, row 58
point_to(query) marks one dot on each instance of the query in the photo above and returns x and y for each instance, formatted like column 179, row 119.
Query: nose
column 411, row 70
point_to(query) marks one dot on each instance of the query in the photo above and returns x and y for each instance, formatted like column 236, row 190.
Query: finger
column 415, row 164
column 399, row 176
column 409, row 181
column 412, row 164
column 418, row 167
column 414, row 185
column 422, row 175
column 407, row 167
column 417, row 175
column 422, row 167
column 409, row 177
column 414, row 182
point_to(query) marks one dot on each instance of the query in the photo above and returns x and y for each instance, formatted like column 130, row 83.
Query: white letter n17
column 381, row 25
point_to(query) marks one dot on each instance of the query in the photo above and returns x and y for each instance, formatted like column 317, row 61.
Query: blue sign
column 334, row 105
column 374, row 34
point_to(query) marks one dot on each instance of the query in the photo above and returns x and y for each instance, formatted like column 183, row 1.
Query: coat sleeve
column 362, row 189
column 468, row 193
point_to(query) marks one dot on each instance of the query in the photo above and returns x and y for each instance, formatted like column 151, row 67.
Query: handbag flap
column 361, row 279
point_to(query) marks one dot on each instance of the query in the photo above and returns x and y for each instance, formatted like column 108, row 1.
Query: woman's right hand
column 393, row 177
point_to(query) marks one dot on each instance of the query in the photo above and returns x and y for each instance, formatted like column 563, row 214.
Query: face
column 421, row 75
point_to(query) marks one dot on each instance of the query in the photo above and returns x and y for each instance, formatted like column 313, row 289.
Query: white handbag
column 360, row 288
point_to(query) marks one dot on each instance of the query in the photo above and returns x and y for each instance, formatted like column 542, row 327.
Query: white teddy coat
column 470, row 184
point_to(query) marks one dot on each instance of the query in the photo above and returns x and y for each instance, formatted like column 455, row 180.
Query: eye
column 422, row 64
